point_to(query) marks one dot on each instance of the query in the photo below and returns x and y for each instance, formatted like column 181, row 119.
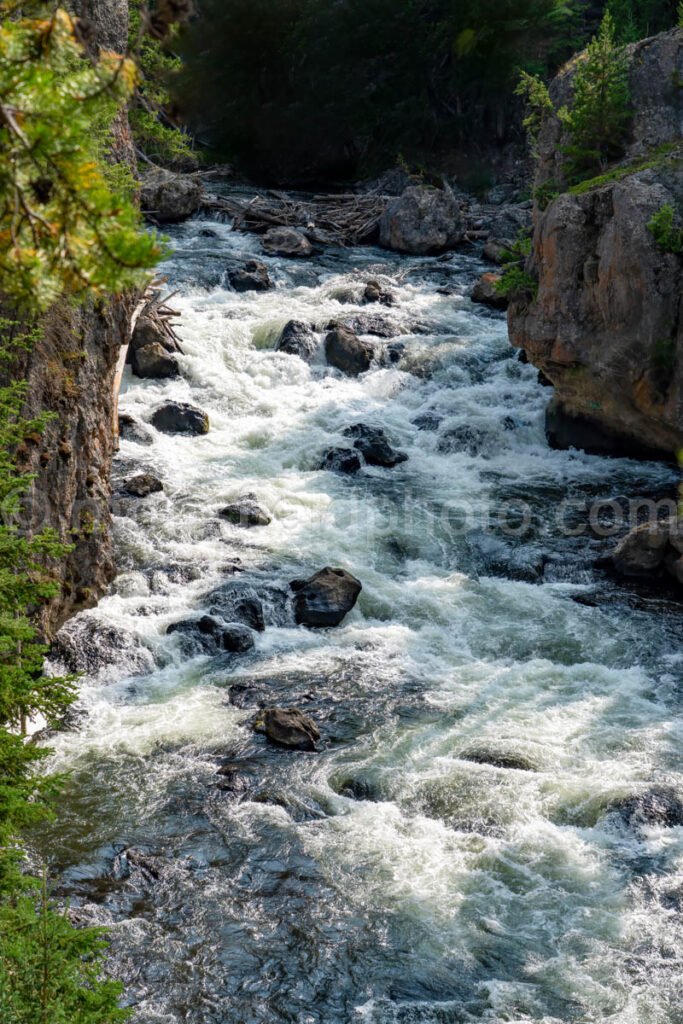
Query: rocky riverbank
column 605, row 324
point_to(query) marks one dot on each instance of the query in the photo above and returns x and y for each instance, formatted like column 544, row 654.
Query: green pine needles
column 65, row 226
column 49, row 970
column 599, row 118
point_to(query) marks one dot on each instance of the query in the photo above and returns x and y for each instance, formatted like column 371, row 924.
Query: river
column 456, row 850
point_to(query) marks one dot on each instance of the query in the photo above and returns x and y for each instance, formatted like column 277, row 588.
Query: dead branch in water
column 335, row 219
column 156, row 308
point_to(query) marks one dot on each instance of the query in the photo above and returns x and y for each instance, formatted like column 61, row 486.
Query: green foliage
column 309, row 88
column 669, row 153
column 538, row 103
column 49, row 970
column 516, row 282
column 599, row 118
column 636, row 19
column 155, row 134
column 666, row 232
column 65, row 226
column 679, row 13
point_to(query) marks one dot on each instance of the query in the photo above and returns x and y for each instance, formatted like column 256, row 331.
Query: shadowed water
column 453, row 852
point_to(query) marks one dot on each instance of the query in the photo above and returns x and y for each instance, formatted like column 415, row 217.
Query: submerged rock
column 641, row 552
column 168, row 198
column 423, row 220
column 373, row 444
column 499, row 759
column 131, row 429
column 297, row 339
column 660, row 806
column 246, row 512
column 237, row 601
column 288, row 727
column 486, row 292
column 251, row 277
column 325, row 598
column 287, row 242
column 142, row 485
column 180, row 418
column 347, row 352
column 367, row 323
column 341, row 460
column 87, row 645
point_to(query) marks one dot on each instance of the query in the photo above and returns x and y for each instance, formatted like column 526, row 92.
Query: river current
column 457, row 850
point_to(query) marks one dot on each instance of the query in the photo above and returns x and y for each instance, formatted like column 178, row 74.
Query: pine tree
column 599, row 117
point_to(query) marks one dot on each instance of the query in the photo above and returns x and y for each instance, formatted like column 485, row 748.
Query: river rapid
column 458, row 849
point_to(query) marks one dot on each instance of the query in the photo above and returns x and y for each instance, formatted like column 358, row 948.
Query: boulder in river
column 341, row 460
column 209, row 634
column 142, row 485
column 288, row 727
column 287, row 242
column 180, row 418
column 238, row 601
column 246, row 511
column 251, row 276
column 297, row 339
column 641, row 552
column 486, row 292
column 347, row 352
column 148, row 331
column 374, row 292
column 423, row 220
column 325, row 598
column 153, row 362
column 373, row 444
column 367, row 323
column 168, row 198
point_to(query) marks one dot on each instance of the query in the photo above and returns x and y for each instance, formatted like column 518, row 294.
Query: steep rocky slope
column 606, row 325
column 70, row 372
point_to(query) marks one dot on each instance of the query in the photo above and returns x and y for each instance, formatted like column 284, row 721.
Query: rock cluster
column 650, row 549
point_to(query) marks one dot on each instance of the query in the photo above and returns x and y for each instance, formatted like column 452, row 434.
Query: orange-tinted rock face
column 606, row 325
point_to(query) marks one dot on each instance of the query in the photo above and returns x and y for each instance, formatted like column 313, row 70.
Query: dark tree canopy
column 305, row 89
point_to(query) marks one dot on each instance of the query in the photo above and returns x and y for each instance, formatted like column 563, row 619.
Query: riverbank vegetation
column 70, row 231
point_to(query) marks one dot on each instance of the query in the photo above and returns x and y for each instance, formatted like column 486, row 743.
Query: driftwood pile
column 346, row 219
column 155, row 307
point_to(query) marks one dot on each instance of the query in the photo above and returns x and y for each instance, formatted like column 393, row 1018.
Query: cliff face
column 606, row 326
column 70, row 372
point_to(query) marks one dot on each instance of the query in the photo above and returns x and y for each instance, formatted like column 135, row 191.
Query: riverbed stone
column 209, row 634
column 251, row 276
column 238, row 601
column 297, row 339
column 347, row 352
column 153, row 362
column 246, row 512
column 180, row 418
column 131, row 429
column 285, row 241
column 659, row 806
column 148, row 331
column 325, row 598
column 375, row 292
column 641, row 552
column 168, row 198
column 374, row 446
column 485, row 292
column 423, row 220
column 142, row 485
column 341, row 460
column 288, row 727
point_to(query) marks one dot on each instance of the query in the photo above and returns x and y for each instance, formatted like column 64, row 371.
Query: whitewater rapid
column 395, row 875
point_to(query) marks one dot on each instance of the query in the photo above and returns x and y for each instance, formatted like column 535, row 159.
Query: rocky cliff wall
column 606, row 326
column 70, row 372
